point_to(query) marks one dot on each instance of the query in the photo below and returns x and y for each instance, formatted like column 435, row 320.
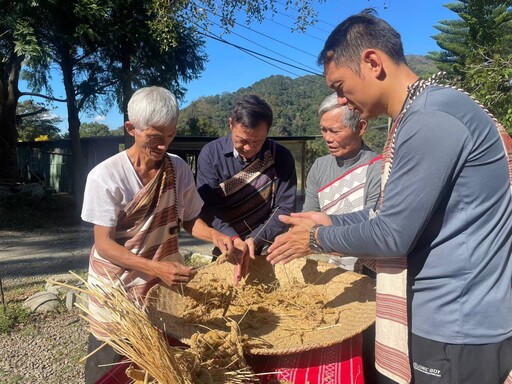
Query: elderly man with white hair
column 348, row 178
column 137, row 200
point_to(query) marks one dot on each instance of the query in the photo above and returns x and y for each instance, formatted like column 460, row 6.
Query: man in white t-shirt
column 137, row 200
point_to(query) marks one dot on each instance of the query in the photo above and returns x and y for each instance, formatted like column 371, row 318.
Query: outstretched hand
column 294, row 243
column 317, row 217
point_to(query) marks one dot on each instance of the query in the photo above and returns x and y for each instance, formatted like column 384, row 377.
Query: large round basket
column 348, row 309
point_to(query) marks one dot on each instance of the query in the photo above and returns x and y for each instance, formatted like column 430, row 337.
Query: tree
column 103, row 49
column 138, row 56
column 65, row 29
column 10, row 66
column 477, row 50
column 79, row 39
column 171, row 43
column 490, row 81
column 34, row 120
column 482, row 24
column 117, row 132
column 17, row 43
column 94, row 129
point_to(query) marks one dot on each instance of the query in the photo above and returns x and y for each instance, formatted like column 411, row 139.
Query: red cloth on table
column 339, row 364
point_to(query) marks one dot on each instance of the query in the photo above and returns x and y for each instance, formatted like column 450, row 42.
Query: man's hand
column 292, row 244
column 172, row 273
column 243, row 251
column 317, row 217
column 223, row 242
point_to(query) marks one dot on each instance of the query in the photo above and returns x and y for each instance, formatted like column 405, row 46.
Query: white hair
column 152, row 106
column 349, row 118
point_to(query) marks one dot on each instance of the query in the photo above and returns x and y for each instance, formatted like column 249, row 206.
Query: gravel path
column 49, row 347
column 45, row 351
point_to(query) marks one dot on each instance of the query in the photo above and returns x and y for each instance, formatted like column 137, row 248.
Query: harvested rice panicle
column 131, row 334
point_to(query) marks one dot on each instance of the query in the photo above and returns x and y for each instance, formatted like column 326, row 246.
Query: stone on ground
column 42, row 302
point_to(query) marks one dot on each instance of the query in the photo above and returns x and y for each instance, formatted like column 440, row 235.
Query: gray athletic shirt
column 328, row 168
column 448, row 208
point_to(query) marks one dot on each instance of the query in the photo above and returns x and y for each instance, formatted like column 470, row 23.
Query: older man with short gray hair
column 348, row 179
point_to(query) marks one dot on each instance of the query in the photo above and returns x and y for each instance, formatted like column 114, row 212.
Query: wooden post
column 4, row 305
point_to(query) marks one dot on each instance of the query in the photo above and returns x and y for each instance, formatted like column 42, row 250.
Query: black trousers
column 433, row 362
column 106, row 355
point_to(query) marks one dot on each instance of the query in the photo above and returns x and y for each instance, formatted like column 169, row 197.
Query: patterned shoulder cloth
column 248, row 197
column 147, row 227
column 391, row 338
column 345, row 195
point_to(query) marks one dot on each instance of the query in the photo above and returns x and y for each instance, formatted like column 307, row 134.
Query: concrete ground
column 25, row 254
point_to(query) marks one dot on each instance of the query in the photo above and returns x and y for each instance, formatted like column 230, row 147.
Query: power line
column 203, row 31
column 262, row 46
column 288, row 27
column 276, row 40
column 265, row 61
column 211, row 36
column 312, row 26
column 297, row 10
column 262, row 34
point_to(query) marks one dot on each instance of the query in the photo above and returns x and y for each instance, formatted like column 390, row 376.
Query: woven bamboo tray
column 349, row 308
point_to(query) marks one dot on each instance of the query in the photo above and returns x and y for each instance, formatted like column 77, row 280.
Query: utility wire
column 211, row 36
column 249, row 53
column 276, row 40
column 288, row 27
column 203, row 31
column 311, row 26
column 267, row 36
column 262, row 46
column 297, row 10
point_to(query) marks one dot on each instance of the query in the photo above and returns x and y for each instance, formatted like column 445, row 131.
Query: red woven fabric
column 339, row 364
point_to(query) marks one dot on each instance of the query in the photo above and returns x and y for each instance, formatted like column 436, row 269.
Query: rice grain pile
column 286, row 309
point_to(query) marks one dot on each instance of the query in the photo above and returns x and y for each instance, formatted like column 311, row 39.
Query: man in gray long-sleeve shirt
column 348, row 178
column 446, row 210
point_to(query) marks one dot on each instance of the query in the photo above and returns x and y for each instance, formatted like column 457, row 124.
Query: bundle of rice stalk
column 130, row 332
column 132, row 335
column 222, row 355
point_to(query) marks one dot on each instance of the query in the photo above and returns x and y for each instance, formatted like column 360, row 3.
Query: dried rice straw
column 132, row 335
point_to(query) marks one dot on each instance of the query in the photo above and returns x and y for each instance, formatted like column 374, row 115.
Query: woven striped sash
column 248, row 196
column 391, row 333
column 346, row 193
column 147, row 227
column 391, row 326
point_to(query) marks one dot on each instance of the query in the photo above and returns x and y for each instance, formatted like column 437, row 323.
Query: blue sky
column 229, row 69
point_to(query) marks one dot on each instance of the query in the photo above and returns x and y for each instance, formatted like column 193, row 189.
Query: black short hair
column 359, row 32
column 250, row 111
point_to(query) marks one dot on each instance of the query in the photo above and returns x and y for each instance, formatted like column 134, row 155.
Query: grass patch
column 8, row 378
column 28, row 330
column 22, row 210
column 20, row 291
column 12, row 315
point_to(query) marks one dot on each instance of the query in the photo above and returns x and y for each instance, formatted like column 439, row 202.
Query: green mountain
column 422, row 65
column 293, row 101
